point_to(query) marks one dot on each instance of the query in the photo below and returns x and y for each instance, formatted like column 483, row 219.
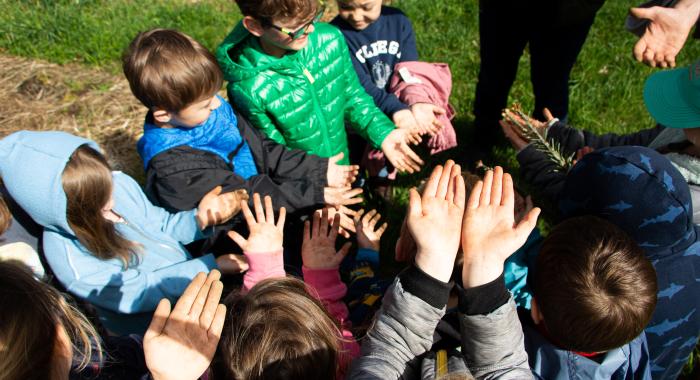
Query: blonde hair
column 32, row 311
column 278, row 331
column 87, row 182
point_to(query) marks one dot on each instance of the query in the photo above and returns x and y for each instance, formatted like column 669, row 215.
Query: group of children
column 257, row 191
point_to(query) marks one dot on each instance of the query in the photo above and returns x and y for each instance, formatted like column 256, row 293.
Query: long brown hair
column 32, row 312
column 278, row 331
column 87, row 182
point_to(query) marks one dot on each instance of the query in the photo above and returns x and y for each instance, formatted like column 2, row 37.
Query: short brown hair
column 277, row 331
column 593, row 285
column 5, row 216
column 269, row 11
column 170, row 70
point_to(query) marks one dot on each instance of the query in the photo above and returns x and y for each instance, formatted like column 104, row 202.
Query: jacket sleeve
column 254, row 112
column 538, row 171
column 178, row 179
column 360, row 111
column 106, row 284
column 385, row 100
column 572, row 139
column 262, row 265
column 404, row 326
column 493, row 343
column 182, row 225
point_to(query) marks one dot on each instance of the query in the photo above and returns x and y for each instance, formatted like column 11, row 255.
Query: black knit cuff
column 484, row 299
column 422, row 285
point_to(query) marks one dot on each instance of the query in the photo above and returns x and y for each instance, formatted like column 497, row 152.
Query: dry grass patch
column 40, row 96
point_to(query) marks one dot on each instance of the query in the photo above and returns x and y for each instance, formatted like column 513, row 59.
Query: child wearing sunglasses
column 294, row 80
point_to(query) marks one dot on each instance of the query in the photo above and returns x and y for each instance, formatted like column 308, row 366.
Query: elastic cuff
column 484, row 299
column 422, row 285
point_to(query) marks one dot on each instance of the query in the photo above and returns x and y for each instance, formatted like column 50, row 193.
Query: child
column 642, row 193
column 294, row 80
column 105, row 242
column 278, row 327
column 194, row 141
column 491, row 335
column 594, row 292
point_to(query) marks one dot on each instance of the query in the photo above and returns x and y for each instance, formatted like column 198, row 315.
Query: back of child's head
column 5, row 216
column 87, row 182
column 32, row 315
column 593, row 286
column 271, row 11
column 169, row 70
column 277, row 331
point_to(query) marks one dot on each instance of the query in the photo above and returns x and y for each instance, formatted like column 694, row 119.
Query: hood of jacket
column 31, row 166
column 637, row 189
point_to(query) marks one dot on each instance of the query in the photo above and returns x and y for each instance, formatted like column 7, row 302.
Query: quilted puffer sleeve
column 254, row 112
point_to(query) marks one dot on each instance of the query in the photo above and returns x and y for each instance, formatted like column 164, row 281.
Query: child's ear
column 161, row 115
column 254, row 26
column 535, row 312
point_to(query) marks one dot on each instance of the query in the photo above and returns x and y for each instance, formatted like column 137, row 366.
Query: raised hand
column 342, row 196
column 489, row 232
column 399, row 153
column 232, row 263
column 426, row 116
column 179, row 345
column 404, row 119
column 341, row 175
column 434, row 220
column 265, row 234
column 347, row 215
column 216, row 208
column 318, row 248
column 666, row 32
column 367, row 236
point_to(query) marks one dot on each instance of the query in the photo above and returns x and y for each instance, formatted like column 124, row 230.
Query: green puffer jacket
column 303, row 99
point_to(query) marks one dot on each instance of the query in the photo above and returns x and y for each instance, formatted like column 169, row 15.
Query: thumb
column 336, row 158
column 214, row 192
column 160, row 317
column 547, row 114
column 415, row 206
column 644, row 13
column 525, row 227
column 237, row 238
column 344, row 251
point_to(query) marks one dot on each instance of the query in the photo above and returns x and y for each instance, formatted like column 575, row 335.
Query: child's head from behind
column 281, row 25
column 359, row 13
column 277, row 331
column 174, row 76
column 87, row 182
column 40, row 333
column 594, row 290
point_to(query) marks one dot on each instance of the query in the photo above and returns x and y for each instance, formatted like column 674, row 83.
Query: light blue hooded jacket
column 32, row 164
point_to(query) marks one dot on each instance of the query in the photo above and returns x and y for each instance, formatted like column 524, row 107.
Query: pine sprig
column 550, row 148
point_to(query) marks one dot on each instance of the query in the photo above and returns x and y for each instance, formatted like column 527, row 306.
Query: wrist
column 435, row 264
column 479, row 272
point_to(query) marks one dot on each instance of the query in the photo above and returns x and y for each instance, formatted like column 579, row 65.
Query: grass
column 606, row 83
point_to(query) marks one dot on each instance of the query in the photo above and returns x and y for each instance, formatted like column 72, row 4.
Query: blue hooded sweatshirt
column 32, row 164
column 640, row 191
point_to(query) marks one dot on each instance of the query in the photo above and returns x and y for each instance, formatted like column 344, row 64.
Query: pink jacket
column 423, row 82
column 324, row 284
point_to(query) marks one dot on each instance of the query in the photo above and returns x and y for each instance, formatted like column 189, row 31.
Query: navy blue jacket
column 640, row 191
column 376, row 50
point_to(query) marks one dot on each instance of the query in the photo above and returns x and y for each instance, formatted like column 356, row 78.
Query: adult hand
column 398, row 152
column 405, row 120
column 318, row 248
column 341, row 175
column 367, row 236
column 666, row 32
column 426, row 116
column 180, row 345
column 342, row 196
column 347, row 215
column 489, row 231
column 434, row 220
column 265, row 234
column 232, row 264
column 216, row 208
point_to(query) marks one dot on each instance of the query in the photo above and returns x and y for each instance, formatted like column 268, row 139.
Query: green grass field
column 606, row 83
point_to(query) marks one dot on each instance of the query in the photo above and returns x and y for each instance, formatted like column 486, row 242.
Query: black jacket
column 178, row 178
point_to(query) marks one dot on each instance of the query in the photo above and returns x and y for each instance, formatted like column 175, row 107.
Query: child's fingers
column 441, row 192
column 184, row 304
column 203, row 295
column 415, row 206
column 281, row 218
column 414, row 161
column 323, row 226
column 317, row 221
column 269, row 212
column 333, row 233
column 547, row 114
column 358, row 216
column 475, row 195
column 380, row 231
column 496, row 186
column 210, row 306
column 250, row 220
column 340, row 255
column 460, row 191
column 160, row 317
column 238, row 239
column 431, row 187
column 486, row 190
column 508, row 193
column 307, row 230
column 527, row 224
column 373, row 222
column 217, row 325
column 257, row 206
